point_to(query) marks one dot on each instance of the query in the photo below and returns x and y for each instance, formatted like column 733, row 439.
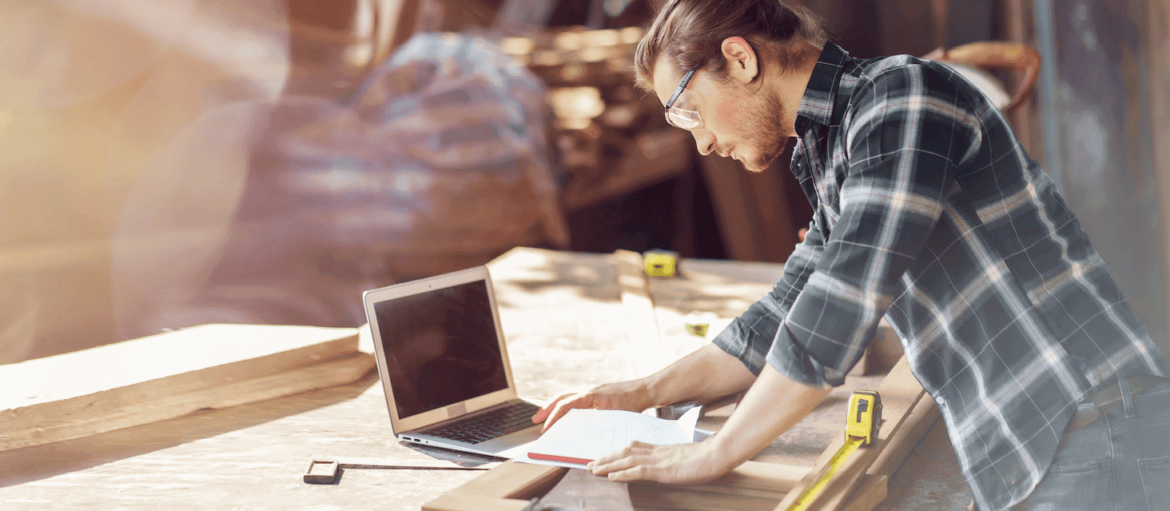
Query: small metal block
column 321, row 472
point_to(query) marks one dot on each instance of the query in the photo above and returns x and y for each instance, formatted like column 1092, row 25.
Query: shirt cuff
column 790, row 359
column 738, row 340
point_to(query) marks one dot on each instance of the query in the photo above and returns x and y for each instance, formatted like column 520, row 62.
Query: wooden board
column 871, row 490
column 168, row 375
column 506, row 487
column 511, row 485
column 917, row 423
column 900, row 392
column 750, row 486
column 641, row 325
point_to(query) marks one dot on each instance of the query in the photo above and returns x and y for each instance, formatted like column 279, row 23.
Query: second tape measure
column 661, row 263
column 861, row 428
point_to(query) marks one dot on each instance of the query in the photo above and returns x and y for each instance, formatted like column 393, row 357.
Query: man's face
column 739, row 120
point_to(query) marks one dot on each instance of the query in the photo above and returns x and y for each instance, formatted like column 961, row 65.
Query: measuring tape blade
column 810, row 494
column 861, row 427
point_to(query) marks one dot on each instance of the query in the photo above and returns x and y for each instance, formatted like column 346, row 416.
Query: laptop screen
column 441, row 347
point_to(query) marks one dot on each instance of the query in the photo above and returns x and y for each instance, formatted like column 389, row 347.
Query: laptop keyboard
column 484, row 427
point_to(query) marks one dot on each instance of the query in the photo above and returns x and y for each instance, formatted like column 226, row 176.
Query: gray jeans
column 1120, row 461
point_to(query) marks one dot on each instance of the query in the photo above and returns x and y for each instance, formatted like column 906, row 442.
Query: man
column 927, row 211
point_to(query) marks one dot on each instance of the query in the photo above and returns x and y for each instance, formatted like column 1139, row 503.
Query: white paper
column 591, row 434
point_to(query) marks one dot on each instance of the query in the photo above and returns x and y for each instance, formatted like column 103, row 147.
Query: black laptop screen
column 440, row 347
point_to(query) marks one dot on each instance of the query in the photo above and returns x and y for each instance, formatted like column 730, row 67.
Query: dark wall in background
column 1098, row 141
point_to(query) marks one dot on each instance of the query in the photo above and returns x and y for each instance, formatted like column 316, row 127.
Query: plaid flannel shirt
column 928, row 211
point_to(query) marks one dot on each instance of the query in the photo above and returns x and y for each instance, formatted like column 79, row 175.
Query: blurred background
column 167, row 163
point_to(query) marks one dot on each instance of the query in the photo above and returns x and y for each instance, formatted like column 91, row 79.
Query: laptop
column 444, row 366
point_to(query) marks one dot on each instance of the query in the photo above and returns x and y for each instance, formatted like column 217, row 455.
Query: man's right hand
column 632, row 395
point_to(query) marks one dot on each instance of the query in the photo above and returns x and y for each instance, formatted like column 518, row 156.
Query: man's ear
column 742, row 64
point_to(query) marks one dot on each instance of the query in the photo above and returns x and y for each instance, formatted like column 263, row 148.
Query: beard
column 766, row 125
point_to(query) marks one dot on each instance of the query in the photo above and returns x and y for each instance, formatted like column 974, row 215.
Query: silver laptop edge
column 409, row 428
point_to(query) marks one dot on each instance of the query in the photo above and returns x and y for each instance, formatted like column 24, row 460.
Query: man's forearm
column 706, row 374
column 772, row 405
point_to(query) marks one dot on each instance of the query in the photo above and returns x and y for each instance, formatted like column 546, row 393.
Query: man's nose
column 704, row 140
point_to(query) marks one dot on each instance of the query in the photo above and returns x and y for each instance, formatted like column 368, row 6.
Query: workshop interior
column 166, row 165
column 184, row 162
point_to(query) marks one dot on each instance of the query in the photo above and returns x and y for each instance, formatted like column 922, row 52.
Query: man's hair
column 690, row 34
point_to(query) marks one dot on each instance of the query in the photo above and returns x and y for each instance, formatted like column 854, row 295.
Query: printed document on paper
column 582, row 436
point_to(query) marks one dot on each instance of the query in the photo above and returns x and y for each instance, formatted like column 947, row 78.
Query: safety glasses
column 682, row 111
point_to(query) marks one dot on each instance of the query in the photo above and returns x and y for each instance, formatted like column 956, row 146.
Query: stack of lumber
column 169, row 375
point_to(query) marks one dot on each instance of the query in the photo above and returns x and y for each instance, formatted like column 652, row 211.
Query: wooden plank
column 681, row 498
column 641, row 325
column 507, row 487
column 750, row 486
column 900, row 392
column 169, row 375
column 466, row 502
column 917, row 423
column 869, row 493
column 753, row 485
column 763, row 476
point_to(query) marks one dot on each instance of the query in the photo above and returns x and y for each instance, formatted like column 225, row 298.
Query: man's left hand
column 670, row 464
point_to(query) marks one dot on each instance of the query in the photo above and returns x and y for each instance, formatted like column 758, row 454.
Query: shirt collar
column 816, row 107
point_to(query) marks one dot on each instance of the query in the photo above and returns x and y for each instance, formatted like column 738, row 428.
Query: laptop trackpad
column 512, row 444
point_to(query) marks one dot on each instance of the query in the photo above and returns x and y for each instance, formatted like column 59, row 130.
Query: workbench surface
column 558, row 312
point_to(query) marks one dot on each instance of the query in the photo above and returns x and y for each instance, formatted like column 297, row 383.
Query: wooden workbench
column 558, row 313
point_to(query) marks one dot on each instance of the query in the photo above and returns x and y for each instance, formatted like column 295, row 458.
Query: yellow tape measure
column 661, row 263
column 861, row 428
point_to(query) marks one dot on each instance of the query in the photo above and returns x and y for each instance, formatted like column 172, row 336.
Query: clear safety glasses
column 682, row 111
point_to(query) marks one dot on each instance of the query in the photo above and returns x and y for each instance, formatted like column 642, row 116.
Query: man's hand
column 706, row 373
column 629, row 395
column 772, row 405
column 668, row 464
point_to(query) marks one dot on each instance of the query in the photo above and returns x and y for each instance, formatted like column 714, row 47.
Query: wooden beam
column 917, row 423
column 507, row 487
column 512, row 484
column 870, row 492
column 900, row 392
column 641, row 324
column 169, row 375
column 468, row 502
